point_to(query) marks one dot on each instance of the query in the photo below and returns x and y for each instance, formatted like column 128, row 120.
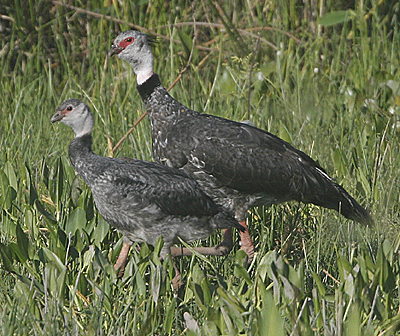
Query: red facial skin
column 59, row 115
column 129, row 40
column 117, row 48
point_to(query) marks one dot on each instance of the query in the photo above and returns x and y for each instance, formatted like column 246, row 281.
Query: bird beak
column 115, row 49
column 59, row 115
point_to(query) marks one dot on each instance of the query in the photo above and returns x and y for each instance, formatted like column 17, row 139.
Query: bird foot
column 246, row 243
column 249, row 250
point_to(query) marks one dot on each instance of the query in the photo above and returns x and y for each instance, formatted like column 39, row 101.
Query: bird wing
column 145, row 184
column 241, row 156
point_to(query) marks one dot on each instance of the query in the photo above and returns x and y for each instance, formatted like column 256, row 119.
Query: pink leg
column 176, row 281
column 219, row 250
column 122, row 258
column 246, row 243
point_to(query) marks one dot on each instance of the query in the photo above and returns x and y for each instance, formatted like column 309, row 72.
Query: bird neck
column 144, row 75
column 80, row 152
column 142, row 63
column 149, row 87
column 158, row 101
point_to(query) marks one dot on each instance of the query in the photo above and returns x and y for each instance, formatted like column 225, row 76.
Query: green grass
column 331, row 91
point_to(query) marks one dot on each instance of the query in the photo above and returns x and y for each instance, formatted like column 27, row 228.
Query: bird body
column 143, row 200
column 238, row 165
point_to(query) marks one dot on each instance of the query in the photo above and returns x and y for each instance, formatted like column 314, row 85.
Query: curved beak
column 59, row 115
column 115, row 49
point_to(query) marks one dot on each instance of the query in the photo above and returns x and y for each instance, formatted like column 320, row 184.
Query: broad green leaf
column 271, row 322
column 364, row 181
column 33, row 194
column 59, row 180
column 349, row 285
column 140, row 283
column 7, row 258
column 187, row 43
column 23, row 243
column 394, row 86
column 344, row 268
column 30, row 221
column 230, row 299
column 289, row 290
column 296, row 277
column 320, row 286
column 155, row 281
column 169, row 316
column 387, row 279
column 75, row 221
column 191, row 333
column 57, row 283
column 157, row 250
column 241, row 272
column 225, row 83
column 40, row 207
column 7, row 192
column 284, row 133
column 264, row 266
column 197, row 274
column 387, row 248
column 198, row 295
column 318, row 306
column 353, row 322
column 205, row 285
column 8, row 197
column 88, row 256
column 12, row 177
column 209, row 329
column 81, row 241
column 51, row 257
column 101, row 261
column 334, row 18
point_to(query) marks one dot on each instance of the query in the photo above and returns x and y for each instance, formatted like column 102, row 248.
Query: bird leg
column 176, row 281
column 122, row 258
column 246, row 243
column 220, row 250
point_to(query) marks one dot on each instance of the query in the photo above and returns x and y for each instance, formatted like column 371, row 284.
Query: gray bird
column 142, row 200
column 238, row 165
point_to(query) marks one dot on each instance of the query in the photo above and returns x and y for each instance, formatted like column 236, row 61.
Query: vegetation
column 322, row 75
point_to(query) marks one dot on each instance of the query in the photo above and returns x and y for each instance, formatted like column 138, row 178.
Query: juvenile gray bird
column 142, row 200
column 238, row 165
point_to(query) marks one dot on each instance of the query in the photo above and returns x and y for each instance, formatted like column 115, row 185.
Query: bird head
column 75, row 114
column 133, row 47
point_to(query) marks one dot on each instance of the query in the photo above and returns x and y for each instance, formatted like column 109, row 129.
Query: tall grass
column 332, row 91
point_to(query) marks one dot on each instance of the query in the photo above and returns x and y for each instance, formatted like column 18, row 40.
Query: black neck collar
column 147, row 88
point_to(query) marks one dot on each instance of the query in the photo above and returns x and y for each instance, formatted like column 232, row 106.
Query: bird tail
column 331, row 195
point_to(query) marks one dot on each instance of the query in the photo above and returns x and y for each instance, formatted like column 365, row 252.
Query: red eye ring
column 123, row 44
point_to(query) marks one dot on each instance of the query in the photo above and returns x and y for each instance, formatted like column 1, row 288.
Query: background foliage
column 322, row 75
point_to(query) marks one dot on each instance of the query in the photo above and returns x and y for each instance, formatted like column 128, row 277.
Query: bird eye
column 69, row 108
column 123, row 44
